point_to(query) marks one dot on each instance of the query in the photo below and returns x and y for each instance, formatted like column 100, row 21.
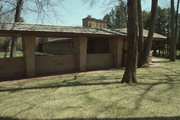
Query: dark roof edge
column 56, row 34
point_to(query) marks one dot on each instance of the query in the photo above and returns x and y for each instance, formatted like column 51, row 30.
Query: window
column 55, row 46
column 98, row 46
column 6, row 46
column 89, row 25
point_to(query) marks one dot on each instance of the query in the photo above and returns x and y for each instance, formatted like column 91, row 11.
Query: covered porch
column 88, row 53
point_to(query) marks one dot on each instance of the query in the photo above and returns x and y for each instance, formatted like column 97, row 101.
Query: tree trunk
column 148, row 43
column 140, row 40
column 176, row 23
column 176, row 19
column 7, row 46
column 17, row 19
column 1, row 6
column 132, row 29
column 172, row 40
column 179, row 41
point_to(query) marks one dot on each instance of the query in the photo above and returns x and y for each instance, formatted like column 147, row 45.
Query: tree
column 117, row 18
column 112, row 14
column 6, row 7
column 173, row 39
column 132, row 29
column 17, row 18
column 162, row 22
column 107, row 17
column 43, row 8
column 148, row 43
column 178, row 46
column 140, row 40
column 6, row 15
column 162, row 27
column 6, row 12
column 121, row 14
column 176, row 22
column 146, row 19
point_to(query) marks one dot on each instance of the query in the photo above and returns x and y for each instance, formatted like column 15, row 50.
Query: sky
column 71, row 12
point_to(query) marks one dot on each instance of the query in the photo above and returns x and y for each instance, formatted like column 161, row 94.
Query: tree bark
column 7, row 46
column 172, row 40
column 132, row 29
column 140, row 40
column 177, row 23
column 148, row 43
column 176, row 19
column 179, row 41
column 17, row 19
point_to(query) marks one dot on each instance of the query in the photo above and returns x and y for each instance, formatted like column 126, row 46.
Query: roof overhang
column 55, row 34
column 55, row 31
column 39, row 30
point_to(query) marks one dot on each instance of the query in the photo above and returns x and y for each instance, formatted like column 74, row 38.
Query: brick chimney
column 93, row 22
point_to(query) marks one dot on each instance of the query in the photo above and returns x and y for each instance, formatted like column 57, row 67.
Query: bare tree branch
column 7, row 12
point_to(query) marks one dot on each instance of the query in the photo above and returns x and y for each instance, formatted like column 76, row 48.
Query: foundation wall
column 12, row 67
column 99, row 61
column 55, row 64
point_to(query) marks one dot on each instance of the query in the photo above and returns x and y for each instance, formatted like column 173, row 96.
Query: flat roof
column 145, row 33
column 51, row 30
column 22, row 27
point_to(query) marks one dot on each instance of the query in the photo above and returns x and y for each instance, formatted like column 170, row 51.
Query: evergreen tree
column 117, row 18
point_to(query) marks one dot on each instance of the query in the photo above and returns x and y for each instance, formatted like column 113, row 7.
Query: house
column 58, row 46
column 88, row 49
column 90, row 22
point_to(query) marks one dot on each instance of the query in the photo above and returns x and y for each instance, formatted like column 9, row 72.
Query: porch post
column 116, row 48
column 29, row 54
column 81, row 53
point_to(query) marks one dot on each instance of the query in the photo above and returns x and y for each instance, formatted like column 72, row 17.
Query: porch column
column 81, row 53
column 116, row 48
column 29, row 54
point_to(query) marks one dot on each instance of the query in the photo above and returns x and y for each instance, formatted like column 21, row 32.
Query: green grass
column 178, row 52
column 20, row 54
column 43, row 54
column 97, row 95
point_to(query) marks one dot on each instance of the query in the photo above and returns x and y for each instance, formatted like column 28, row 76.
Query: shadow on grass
column 167, row 79
column 67, row 83
column 103, row 80
column 142, row 118
column 161, row 61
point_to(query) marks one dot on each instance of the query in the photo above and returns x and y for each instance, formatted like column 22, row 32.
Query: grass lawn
column 20, row 54
column 97, row 95
column 178, row 52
